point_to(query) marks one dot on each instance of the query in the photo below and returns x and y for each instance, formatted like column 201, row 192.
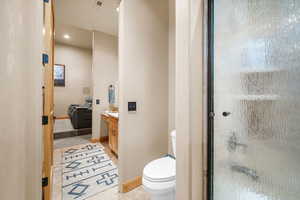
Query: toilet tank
column 173, row 138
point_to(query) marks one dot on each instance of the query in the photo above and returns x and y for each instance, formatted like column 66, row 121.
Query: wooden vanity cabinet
column 113, row 134
column 105, row 118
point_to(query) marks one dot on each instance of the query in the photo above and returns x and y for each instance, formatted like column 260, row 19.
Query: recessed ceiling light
column 118, row 9
column 66, row 36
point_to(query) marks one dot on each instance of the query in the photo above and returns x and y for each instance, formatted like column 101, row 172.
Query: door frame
column 210, row 99
column 48, row 87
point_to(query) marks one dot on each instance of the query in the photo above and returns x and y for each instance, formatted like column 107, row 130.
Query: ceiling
column 78, row 37
column 78, row 18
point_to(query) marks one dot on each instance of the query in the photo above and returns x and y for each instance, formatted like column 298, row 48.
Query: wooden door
column 48, row 59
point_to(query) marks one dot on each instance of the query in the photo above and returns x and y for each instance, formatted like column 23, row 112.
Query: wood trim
column 104, row 139
column 94, row 140
column 131, row 184
column 48, row 100
column 101, row 139
column 50, row 182
column 63, row 117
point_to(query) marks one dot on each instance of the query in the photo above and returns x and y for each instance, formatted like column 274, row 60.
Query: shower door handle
column 226, row 114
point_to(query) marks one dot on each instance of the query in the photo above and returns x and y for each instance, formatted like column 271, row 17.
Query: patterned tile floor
column 110, row 194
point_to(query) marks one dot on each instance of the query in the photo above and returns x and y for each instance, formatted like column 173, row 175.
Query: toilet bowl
column 159, row 176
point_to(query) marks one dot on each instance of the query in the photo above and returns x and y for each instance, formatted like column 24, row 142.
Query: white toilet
column 159, row 176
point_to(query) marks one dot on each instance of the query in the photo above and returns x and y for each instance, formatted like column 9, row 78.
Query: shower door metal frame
column 210, row 99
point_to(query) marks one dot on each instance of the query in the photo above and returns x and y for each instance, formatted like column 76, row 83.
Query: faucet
column 233, row 143
column 245, row 170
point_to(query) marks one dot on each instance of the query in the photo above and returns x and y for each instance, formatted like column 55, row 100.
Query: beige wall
column 143, row 77
column 105, row 72
column 78, row 62
column 189, row 99
column 21, row 99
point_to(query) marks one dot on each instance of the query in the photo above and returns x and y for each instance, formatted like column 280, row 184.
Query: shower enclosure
column 254, row 100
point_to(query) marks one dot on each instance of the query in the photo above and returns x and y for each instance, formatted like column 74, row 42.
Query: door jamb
column 210, row 100
column 48, row 46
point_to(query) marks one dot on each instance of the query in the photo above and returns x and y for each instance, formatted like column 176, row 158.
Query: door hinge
column 45, row 181
column 211, row 114
column 45, row 59
column 45, row 120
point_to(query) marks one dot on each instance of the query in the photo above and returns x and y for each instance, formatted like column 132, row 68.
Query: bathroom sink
column 113, row 114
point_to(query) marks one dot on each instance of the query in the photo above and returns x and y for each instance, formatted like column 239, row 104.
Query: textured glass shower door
column 256, row 100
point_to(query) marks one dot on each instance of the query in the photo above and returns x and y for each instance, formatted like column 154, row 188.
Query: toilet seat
column 160, row 170
column 159, row 176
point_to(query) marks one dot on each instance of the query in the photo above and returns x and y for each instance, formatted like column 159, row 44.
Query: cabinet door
column 110, row 134
column 116, row 137
column 113, row 141
column 113, row 136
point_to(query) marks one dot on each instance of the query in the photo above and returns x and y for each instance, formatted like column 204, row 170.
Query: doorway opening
column 85, row 158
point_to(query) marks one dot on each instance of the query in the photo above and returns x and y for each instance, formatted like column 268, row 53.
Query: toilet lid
column 160, row 170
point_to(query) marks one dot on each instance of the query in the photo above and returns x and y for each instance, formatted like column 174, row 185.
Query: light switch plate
column 132, row 108
column 97, row 101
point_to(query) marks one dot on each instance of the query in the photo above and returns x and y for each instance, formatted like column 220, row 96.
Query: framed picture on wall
column 59, row 75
